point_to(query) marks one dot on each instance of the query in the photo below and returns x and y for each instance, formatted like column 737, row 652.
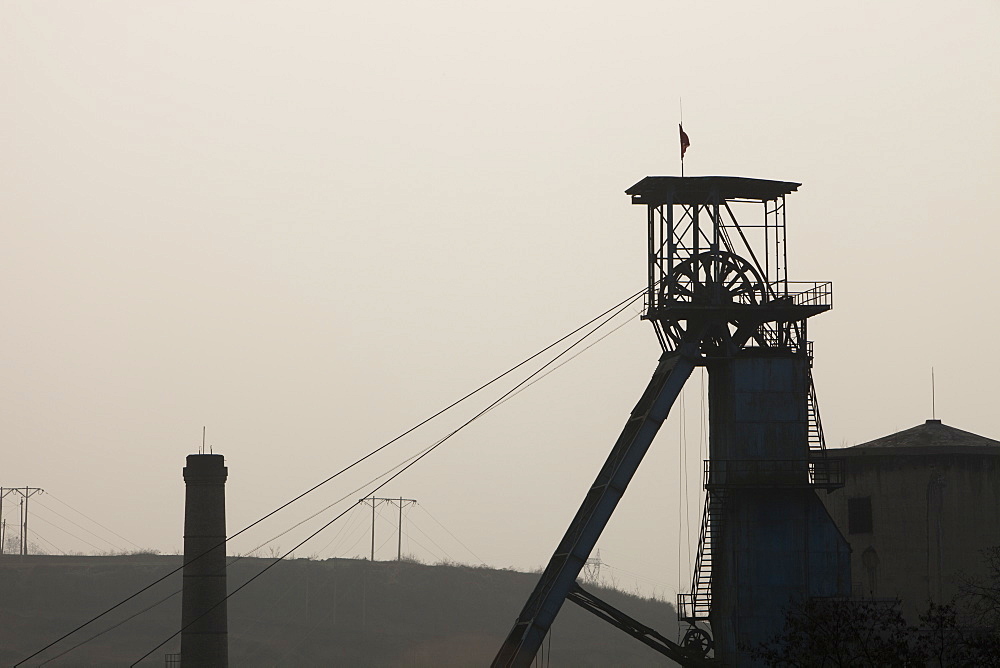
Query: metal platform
column 820, row 473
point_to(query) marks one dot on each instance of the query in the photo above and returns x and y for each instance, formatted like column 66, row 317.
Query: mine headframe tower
column 718, row 296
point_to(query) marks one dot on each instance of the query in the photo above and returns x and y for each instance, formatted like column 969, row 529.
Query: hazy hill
column 337, row 612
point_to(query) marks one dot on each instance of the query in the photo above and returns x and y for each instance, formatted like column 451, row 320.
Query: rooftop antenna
column 202, row 451
column 933, row 398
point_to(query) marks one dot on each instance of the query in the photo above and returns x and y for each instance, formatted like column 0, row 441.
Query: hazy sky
column 308, row 225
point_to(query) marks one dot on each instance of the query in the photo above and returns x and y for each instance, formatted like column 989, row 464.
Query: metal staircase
column 695, row 606
column 817, row 442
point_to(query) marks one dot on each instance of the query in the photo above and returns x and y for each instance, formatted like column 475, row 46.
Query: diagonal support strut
column 560, row 575
column 636, row 629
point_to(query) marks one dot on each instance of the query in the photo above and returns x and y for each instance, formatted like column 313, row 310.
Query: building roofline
column 920, row 450
column 691, row 190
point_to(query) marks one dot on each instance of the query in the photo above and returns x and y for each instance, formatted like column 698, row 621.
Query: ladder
column 697, row 605
column 817, row 442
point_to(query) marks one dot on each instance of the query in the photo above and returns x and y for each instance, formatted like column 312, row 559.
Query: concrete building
column 918, row 508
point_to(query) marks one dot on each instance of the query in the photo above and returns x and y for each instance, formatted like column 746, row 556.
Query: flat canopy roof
column 657, row 190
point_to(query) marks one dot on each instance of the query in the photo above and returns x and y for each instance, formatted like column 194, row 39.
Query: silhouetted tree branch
column 834, row 632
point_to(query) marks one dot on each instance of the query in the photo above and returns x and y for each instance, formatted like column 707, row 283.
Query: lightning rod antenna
column 933, row 397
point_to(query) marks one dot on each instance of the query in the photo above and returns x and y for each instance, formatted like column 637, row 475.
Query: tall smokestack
column 204, row 639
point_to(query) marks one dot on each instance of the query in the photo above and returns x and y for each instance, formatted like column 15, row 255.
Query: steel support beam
column 560, row 575
column 637, row 630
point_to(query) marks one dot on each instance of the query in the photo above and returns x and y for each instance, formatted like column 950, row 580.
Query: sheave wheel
column 715, row 277
column 697, row 640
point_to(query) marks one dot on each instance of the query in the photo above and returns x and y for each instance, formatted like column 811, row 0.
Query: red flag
column 685, row 142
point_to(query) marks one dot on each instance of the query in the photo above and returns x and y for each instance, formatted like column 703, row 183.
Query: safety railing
column 691, row 608
column 826, row 473
column 798, row 293
column 780, row 336
column 810, row 293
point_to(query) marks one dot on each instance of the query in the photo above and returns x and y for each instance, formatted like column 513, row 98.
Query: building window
column 859, row 515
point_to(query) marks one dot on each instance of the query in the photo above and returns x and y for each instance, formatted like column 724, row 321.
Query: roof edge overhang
column 691, row 190
column 921, row 450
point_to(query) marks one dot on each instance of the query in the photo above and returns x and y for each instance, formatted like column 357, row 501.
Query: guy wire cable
column 627, row 301
column 372, row 492
column 229, row 563
column 233, row 561
column 110, row 628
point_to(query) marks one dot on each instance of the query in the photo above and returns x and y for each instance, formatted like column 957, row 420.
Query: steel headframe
column 709, row 268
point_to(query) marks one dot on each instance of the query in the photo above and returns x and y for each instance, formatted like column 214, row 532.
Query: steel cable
column 617, row 309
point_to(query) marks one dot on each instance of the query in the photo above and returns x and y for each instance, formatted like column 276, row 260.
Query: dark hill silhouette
column 336, row 612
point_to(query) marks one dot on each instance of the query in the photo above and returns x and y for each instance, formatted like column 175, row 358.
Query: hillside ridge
column 304, row 612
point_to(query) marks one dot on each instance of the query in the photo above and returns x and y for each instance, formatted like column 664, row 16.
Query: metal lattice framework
column 716, row 287
column 707, row 265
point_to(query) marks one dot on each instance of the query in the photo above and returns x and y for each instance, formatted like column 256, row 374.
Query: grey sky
column 308, row 225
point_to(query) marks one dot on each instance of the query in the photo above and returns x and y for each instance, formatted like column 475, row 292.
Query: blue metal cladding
column 777, row 542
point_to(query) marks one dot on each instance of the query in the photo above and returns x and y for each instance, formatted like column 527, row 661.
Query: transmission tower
column 592, row 569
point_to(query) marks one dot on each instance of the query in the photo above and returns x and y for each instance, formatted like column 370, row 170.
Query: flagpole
column 680, row 103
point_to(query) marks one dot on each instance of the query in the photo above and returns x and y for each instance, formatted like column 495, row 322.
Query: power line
column 55, row 498
column 452, row 535
column 352, row 493
column 358, row 530
column 435, row 544
column 67, row 532
column 49, row 543
column 411, row 539
column 533, row 378
column 4, row 492
column 429, row 551
column 400, row 502
column 426, row 452
column 80, row 526
column 384, row 542
column 616, row 308
column 341, row 499
column 25, row 493
column 355, row 543
column 639, row 576
column 230, row 595
column 341, row 530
